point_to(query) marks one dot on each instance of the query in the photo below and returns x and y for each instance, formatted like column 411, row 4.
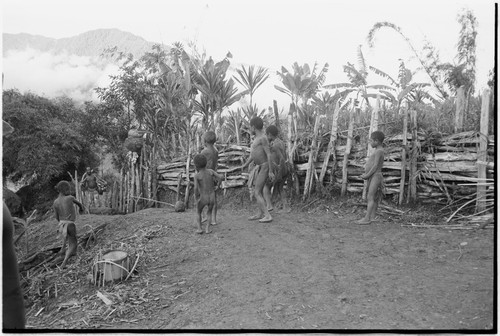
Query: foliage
column 429, row 70
column 48, row 139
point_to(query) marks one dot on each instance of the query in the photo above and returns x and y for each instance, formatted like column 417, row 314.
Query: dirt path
column 302, row 270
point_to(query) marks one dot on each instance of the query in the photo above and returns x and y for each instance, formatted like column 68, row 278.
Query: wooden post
column 482, row 155
column 403, row 157
column 347, row 152
column 331, row 145
column 369, row 150
column 276, row 116
column 311, row 169
column 412, row 178
column 188, row 162
column 122, row 190
column 460, row 105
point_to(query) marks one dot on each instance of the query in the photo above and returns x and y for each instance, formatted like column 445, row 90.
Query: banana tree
column 402, row 89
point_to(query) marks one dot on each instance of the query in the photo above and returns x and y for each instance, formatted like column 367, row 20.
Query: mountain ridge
column 89, row 43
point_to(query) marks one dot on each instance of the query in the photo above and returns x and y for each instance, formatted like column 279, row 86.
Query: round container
column 111, row 271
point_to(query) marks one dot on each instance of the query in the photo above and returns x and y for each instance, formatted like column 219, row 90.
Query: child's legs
column 199, row 210
column 209, row 216
column 372, row 196
column 260, row 183
column 267, row 196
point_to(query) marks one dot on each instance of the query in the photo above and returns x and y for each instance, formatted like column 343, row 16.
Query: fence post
column 403, row 157
column 350, row 131
column 460, row 109
column 482, row 155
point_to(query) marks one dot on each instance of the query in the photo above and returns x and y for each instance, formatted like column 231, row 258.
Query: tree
column 301, row 86
column 48, row 140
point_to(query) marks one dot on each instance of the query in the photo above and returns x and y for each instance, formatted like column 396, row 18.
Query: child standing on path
column 65, row 214
column 212, row 155
column 204, row 190
column 279, row 166
column 260, row 154
column 373, row 173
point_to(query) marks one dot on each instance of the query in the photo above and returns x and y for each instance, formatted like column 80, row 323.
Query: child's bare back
column 204, row 190
column 65, row 214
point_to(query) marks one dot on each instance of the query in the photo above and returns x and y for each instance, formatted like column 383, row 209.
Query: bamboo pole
column 312, row 159
column 347, row 152
column 403, row 157
column 331, row 145
column 122, row 190
column 369, row 150
column 482, row 156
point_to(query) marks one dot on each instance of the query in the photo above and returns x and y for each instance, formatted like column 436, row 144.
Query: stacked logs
column 446, row 167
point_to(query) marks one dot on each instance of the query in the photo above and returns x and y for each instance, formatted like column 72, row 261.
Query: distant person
column 373, row 173
column 13, row 314
column 65, row 214
column 279, row 165
column 89, row 186
column 212, row 155
column 260, row 155
column 204, row 190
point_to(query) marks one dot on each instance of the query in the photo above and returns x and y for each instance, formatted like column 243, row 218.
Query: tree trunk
column 482, row 156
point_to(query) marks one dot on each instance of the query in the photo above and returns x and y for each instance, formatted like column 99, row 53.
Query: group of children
column 267, row 177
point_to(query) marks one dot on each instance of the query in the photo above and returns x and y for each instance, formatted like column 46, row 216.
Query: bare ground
column 307, row 269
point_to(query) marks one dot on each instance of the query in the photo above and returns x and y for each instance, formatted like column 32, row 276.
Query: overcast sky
column 270, row 33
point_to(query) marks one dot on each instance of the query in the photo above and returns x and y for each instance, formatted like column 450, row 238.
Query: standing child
column 65, row 214
column 212, row 155
column 204, row 190
column 373, row 173
column 279, row 166
column 260, row 154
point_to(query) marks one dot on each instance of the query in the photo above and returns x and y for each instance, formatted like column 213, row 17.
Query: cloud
column 53, row 75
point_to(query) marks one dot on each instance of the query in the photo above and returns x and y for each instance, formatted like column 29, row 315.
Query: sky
column 271, row 33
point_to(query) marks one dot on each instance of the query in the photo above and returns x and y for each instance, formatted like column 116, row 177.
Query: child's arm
column 56, row 213
column 267, row 150
column 80, row 205
column 379, row 156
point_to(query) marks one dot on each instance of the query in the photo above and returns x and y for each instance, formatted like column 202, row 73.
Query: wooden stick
column 347, row 153
column 482, row 154
column 403, row 158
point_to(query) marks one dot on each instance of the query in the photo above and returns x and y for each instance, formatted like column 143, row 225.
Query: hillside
column 91, row 43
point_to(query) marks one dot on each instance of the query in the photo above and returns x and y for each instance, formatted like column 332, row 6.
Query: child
column 65, row 214
column 204, row 190
column 212, row 155
column 373, row 173
column 279, row 166
column 260, row 154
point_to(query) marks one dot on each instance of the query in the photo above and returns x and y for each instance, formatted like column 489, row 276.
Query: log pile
column 447, row 169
